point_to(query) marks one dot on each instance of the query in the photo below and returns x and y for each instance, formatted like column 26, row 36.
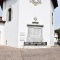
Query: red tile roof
column 1, row 21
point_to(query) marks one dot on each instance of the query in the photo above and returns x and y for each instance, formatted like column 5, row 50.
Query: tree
column 58, row 32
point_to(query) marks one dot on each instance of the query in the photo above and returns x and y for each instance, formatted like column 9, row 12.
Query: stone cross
column 35, row 18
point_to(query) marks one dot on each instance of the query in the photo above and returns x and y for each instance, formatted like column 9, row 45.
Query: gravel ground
column 9, row 53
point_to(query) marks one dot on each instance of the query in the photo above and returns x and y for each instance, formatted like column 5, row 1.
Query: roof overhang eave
column 55, row 3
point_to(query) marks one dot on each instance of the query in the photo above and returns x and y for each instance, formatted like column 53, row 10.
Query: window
column 52, row 18
column 9, row 14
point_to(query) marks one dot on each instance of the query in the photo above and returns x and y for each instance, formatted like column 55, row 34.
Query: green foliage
column 58, row 32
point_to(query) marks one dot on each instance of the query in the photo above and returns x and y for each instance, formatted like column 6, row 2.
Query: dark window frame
column 9, row 14
column 52, row 18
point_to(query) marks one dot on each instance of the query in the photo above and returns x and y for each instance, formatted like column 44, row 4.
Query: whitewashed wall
column 1, row 33
column 27, row 11
column 11, row 27
column 23, row 13
column 51, row 25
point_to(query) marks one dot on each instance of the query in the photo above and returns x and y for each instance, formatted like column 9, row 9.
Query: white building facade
column 55, row 38
column 28, row 22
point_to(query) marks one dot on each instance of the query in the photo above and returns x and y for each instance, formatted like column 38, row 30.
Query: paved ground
column 8, row 53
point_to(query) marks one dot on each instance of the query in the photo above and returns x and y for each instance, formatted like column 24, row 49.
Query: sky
column 56, row 16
